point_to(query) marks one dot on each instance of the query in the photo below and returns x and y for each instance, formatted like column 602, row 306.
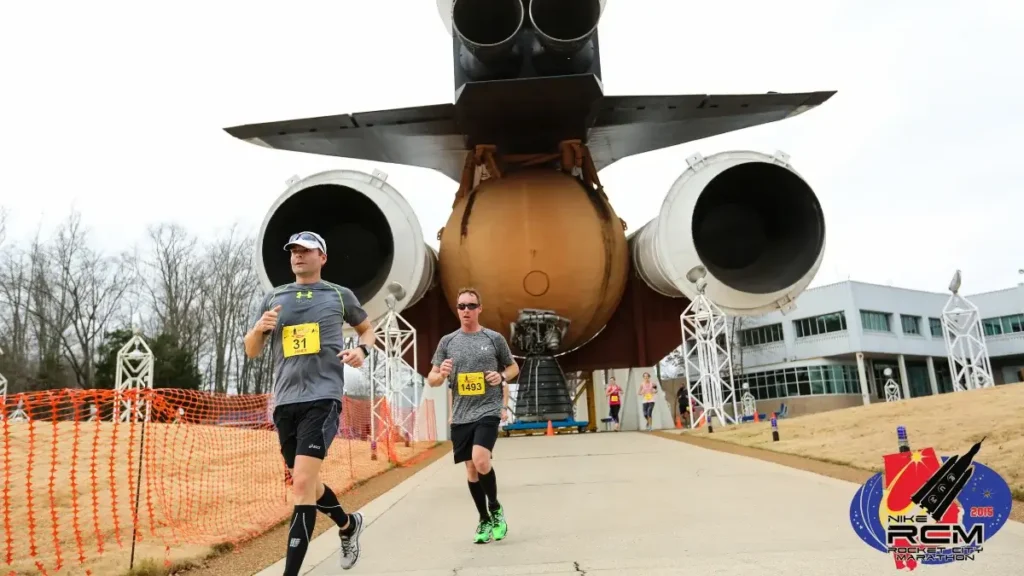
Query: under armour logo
column 309, row 295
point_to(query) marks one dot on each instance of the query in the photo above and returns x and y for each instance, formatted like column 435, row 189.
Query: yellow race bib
column 301, row 339
column 471, row 384
column 648, row 397
column 615, row 398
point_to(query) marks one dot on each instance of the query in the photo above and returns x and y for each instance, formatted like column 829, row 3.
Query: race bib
column 471, row 384
column 301, row 339
column 615, row 397
column 648, row 397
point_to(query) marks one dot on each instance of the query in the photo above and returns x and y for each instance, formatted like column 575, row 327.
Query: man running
column 303, row 321
column 614, row 394
column 478, row 365
column 647, row 390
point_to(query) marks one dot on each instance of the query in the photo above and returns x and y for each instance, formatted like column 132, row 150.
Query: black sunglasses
column 470, row 306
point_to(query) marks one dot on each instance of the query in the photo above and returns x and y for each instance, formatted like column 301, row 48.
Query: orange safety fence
column 83, row 480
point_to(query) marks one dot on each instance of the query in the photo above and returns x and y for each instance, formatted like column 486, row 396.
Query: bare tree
column 174, row 280
column 76, row 306
column 14, row 312
column 230, row 285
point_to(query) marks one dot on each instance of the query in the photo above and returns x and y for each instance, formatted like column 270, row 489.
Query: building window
column 834, row 322
column 911, row 324
column 804, row 381
column 936, row 326
column 1003, row 325
column 874, row 321
column 761, row 335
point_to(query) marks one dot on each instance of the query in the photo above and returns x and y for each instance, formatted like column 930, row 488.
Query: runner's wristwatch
column 365, row 349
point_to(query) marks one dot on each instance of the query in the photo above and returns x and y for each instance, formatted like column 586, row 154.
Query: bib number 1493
column 471, row 384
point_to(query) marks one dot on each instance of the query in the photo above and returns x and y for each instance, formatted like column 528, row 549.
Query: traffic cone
column 679, row 422
column 756, row 417
column 551, row 429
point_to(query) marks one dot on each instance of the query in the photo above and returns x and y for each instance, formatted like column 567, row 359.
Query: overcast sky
column 106, row 105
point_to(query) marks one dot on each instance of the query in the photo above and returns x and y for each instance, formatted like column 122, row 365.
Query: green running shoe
column 483, row 532
column 498, row 526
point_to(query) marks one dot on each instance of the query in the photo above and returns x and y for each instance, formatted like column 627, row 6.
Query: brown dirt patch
column 264, row 550
column 849, row 444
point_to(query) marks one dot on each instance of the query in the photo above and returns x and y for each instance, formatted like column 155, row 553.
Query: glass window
column 911, row 324
column 936, row 327
column 824, row 324
column 992, row 326
column 761, row 335
column 874, row 321
column 817, row 383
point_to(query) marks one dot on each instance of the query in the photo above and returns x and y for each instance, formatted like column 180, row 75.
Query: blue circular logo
column 985, row 500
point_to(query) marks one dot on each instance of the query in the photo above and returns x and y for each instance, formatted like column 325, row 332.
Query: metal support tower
column 390, row 373
column 969, row 364
column 705, row 325
column 134, row 373
column 892, row 389
column 749, row 402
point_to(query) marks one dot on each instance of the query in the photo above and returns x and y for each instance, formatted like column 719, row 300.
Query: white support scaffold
column 969, row 364
column 892, row 389
column 134, row 374
column 749, row 402
column 708, row 363
column 393, row 380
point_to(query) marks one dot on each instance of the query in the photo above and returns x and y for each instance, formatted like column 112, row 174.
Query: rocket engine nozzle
column 488, row 29
column 753, row 224
column 564, row 27
column 374, row 239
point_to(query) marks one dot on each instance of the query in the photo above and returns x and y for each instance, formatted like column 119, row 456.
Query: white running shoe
column 349, row 553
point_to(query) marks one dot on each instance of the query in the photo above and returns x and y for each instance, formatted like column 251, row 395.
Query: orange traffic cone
column 679, row 422
column 756, row 417
column 551, row 429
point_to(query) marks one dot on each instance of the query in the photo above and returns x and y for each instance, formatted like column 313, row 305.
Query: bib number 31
column 471, row 384
column 301, row 339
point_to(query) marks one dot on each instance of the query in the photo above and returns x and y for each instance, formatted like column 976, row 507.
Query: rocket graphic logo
column 923, row 509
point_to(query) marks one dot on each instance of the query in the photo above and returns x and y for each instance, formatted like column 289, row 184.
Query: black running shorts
column 483, row 432
column 307, row 428
column 648, row 409
column 613, row 411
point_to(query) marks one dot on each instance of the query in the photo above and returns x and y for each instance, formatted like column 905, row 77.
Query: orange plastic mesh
column 206, row 469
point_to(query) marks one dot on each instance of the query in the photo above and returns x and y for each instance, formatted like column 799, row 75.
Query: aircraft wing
column 431, row 136
column 425, row 136
column 630, row 125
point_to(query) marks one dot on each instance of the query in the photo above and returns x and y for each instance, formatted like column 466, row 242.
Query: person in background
column 683, row 404
column 647, row 390
column 614, row 394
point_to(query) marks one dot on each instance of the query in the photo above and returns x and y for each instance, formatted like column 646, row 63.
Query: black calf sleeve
column 490, row 484
column 479, row 498
column 303, row 520
column 328, row 504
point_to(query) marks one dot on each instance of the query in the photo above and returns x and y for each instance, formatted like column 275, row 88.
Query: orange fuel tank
column 537, row 239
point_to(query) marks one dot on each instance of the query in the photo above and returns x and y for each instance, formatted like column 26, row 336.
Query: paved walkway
column 627, row 504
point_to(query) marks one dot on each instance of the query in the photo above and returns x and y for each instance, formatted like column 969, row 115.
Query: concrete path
column 627, row 504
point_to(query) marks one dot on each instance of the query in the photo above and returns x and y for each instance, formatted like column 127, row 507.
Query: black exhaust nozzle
column 565, row 27
column 489, row 29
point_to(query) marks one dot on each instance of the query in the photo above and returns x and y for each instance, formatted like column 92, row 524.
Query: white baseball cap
column 308, row 240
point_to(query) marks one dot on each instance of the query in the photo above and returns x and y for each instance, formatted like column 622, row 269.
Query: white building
column 808, row 358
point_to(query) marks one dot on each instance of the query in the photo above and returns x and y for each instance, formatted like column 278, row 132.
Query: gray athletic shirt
column 472, row 354
column 323, row 307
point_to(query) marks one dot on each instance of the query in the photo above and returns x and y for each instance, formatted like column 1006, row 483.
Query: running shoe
column 483, row 532
column 498, row 526
column 350, row 544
